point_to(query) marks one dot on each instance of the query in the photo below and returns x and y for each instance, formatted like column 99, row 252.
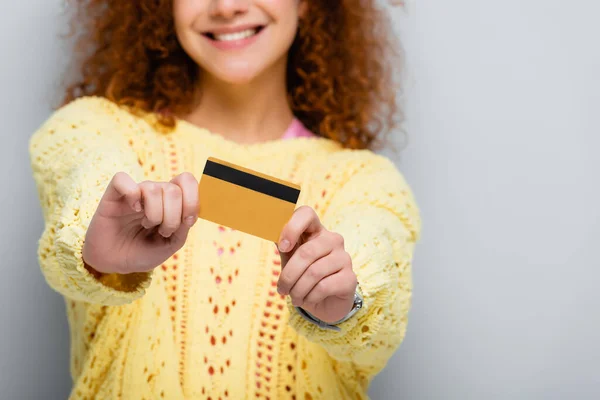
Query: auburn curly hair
column 342, row 78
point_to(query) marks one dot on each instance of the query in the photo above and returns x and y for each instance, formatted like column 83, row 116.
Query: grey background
column 503, row 107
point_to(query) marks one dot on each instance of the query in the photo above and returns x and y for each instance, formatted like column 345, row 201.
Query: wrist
column 94, row 262
column 332, row 316
column 95, row 273
column 85, row 256
column 356, row 306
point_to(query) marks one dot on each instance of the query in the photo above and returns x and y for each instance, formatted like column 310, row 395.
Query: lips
column 231, row 35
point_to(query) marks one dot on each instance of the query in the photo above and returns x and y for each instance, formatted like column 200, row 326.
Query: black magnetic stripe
column 252, row 182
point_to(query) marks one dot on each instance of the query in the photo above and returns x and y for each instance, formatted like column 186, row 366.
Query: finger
column 152, row 204
column 302, row 258
column 189, row 188
column 304, row 220
column 123, row 186
column 314, row 274
column 339, row 284
column 171, row 201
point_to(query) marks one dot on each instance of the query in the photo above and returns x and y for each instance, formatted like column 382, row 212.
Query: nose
column 228, row 9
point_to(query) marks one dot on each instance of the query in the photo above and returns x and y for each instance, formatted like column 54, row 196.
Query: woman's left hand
column 316, row 269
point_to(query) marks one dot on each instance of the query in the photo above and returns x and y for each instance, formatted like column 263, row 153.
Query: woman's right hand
column 137, row 227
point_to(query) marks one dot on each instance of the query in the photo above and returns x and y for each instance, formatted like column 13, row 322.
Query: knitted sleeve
column 74, row 155
column 375, row 212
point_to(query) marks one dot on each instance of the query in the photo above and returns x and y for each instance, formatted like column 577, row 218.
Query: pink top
column 296, row 130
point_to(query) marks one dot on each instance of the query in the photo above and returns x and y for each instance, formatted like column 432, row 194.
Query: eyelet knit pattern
column 208, row 323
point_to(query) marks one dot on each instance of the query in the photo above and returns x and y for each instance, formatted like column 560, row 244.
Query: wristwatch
column 356, row 306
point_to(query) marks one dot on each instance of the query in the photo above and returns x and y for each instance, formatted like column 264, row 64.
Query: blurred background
column 503, row 123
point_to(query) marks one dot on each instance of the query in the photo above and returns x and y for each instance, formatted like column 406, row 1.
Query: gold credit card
column 246, row 200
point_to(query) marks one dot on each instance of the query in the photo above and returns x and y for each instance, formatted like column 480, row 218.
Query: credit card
column 246, row 200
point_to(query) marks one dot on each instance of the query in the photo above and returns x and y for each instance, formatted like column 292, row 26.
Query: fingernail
column 284, row 245
column 137, row 206
column 190, row 221
column 281, row 291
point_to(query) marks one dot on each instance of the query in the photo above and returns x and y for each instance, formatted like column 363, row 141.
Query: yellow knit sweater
column 209, row 324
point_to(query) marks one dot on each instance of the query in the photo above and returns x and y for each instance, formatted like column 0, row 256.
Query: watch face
column 359, row 303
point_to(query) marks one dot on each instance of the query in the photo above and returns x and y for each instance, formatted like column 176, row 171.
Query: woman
column 162, row 305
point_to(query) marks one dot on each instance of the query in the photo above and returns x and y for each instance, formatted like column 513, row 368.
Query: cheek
column 282, row 10
column 286, row 14
column 281, row 4
column 184, row 13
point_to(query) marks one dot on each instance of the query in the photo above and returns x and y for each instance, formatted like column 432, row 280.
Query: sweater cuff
column 108, row 289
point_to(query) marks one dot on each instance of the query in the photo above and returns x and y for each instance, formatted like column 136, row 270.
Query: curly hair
column 341, row 77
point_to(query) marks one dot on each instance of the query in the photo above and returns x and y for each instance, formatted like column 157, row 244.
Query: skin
column 244, row 94
column 138, row 226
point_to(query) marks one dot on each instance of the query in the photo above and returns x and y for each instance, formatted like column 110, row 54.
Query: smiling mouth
column 233, row 36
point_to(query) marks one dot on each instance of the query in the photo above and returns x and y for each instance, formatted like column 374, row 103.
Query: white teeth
column 227, row 37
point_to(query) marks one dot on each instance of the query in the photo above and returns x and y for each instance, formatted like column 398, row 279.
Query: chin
column 240, row 77
column 237, row 74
